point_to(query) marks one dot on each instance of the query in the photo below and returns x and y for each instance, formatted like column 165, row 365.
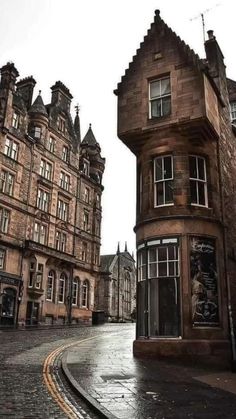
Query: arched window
column 50, row 285
column 75, row 291
column 62, row 287
column 85, row 292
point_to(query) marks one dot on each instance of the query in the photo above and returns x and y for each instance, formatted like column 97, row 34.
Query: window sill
column 164, row 205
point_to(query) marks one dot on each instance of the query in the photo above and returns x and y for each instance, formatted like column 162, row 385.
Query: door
column 32, row 313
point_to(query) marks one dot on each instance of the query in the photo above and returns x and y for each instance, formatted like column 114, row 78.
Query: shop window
column 50, row 285
column 198, row 181
column 159, row 98
column 62, row 288
column 6, row 183
column 4, row 220
column 11, row 149
column 163, row 181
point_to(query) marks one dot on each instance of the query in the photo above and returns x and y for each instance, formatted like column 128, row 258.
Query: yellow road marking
column 51, row 385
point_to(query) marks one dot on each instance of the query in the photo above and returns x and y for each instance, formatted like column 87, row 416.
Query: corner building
column 50, row 207
column 176, row 114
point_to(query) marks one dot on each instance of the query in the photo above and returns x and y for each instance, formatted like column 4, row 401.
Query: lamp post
column 118, row 282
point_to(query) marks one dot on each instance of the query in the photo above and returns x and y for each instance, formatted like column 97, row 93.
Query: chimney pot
column 210, row 34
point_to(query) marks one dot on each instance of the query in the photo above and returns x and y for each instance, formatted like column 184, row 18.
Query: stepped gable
column 160, row 25
column 38, row 106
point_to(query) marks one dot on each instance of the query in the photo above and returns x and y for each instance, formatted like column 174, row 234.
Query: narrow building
column 50, row 207
column 174, row 114
column 116, row 287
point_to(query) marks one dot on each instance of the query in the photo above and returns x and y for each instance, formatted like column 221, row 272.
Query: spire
column 38, row 106
column 126, row 247
column 77, row 124
column 118, row 249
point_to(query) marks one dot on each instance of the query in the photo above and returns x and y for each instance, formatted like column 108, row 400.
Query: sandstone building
column 116, row 287
column 50, row 206
column 176, row 113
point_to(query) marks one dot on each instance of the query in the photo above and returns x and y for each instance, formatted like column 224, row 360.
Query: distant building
column 116, row 287
column 50, row 207
column 177, row 114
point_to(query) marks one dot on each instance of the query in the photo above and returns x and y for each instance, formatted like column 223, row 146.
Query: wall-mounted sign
column 205, row 307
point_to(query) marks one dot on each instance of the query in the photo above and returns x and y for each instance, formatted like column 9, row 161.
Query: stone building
column 50, row 207
column 116, row 287
column 176, row 113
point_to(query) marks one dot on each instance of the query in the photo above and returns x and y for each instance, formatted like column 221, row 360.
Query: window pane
column 171, row 253
column 201, row 171
column 167, row 167
column 165, row 86
column 158, row 169
column 172, row 268
column 162, row 253
column 192, row 167
column 169, row 192
column 159, row 193
column 155, row 89
column 166, row 106
column 168, row 303
column 141, row 308
column 162, row 268
column 154, row 309
column 152, row 255
column 156, row 108
column 193, row 191
column 152, row 270
column 201, row 193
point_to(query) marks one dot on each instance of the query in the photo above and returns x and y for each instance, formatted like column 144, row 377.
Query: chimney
column 215, row 61
column 26, row 89
column 9, row 74
column 61, row 96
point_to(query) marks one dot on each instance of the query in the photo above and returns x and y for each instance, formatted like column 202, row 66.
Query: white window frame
column 61, row 287
column 157, row 263
column 159, row 97
column 11, row 149
column 62, row 210
column 60, row 241
column 40, row 232
column 50, row 285
column 85, row 292
column 7, row 182
column 15, row 120
column 61, row 124
column 4, row 220
column 51, row 144
column 233, row 112
column 2, row 258
column 84, row 252
column 65, row 153
column 163, row 180
column 141, row 265
column 198, row 181
column 43, row 199
column 45, row 169
column 86, row 167
column 75, row 290
column 64, row 181
column 39, row 276
column 37, row 132
column 86, row 194
column 86, row 220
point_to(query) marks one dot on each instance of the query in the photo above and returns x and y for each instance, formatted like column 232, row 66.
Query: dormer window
column 159, row 98
column 15, row 120
column 37, row 132
column 61, row 125
column 233, row 112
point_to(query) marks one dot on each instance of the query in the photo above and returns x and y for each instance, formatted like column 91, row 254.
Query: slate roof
column 106, row 261
column 89, row 138
column 231, row 85
column 38, row 106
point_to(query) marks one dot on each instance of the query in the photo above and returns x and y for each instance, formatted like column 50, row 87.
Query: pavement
column 102, row 369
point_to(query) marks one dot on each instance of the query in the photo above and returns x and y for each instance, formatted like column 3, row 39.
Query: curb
column 102, row 411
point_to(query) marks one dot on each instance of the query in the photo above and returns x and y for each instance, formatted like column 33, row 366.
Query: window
column 11, row 149
column 86, row 195
column 4, row 220
column 160, row 98
column 84, row 254
column 32, row 270
column 15, row 120
column 51, row 144
column 64, row 181
column 6, row 183
column 39, row 276
column 233, row 112
column 198, row 180
column 43, row 200
column 85, row 289
column 75, row 292
column 98, row 200
column 40, row 232
column 86, row 167
column 96, row 256
column 141, row 265
column 2, row 258
column 61, row 288
column 163, row 261
column 50, row 285
column 97, row 226
column 85, row 220
column 60, row 241
column 65, row 154
column 45, row 169
column 62, row 210
column 163, row 181
column 126, row 301
column 37, row 132
column 61, row 124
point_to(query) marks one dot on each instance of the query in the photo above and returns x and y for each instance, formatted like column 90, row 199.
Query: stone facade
column 116, row 287
column 174, row 115
column 50, row 207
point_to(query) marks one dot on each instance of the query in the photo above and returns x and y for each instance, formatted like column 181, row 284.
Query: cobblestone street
column 23, row 393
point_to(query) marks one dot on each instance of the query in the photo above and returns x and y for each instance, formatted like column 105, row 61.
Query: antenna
column 201, row 15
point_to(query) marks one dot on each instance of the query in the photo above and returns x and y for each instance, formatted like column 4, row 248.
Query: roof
column 106, row 261
column 89, row 138
column 160, row 25
column 231, row 85
column 38, row 106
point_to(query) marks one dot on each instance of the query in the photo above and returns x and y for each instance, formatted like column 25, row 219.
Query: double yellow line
column 51, row 385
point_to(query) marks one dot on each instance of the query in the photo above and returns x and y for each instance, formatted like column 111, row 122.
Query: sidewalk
column 104, row 371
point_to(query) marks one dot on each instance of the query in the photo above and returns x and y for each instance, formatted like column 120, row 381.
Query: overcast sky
column 87, row 44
